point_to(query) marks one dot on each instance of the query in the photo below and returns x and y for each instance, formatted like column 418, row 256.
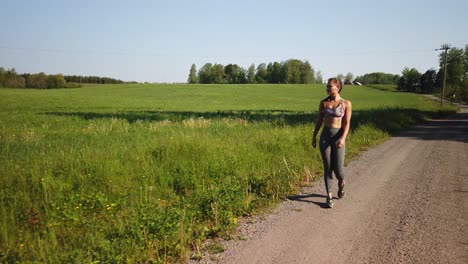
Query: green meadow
column 145, row 173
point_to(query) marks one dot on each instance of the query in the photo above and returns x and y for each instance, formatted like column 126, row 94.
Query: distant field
column 132, row 173
column 384, row 87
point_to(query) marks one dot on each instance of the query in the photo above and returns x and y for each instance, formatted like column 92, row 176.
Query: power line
column 153, row 54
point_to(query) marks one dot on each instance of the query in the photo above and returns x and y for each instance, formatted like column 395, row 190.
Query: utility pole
column 444, row 47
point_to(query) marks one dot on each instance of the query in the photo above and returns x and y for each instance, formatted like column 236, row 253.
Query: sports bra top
column 334, row 112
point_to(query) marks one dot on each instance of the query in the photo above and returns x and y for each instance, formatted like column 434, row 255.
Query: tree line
column 92, row 79
column 289, row 72
column 456, row 84
column 292, row 71
column 11, row 79
column 378, row 78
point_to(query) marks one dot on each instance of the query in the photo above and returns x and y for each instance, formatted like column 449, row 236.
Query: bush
column 56, row 81
column 16, row 82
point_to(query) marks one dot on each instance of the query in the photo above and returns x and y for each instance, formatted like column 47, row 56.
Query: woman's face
column 332, row 89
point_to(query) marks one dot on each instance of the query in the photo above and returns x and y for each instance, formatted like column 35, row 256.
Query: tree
column 455, row 70
column 56, row 81
column 39, row 80
column 275, row 73
column 378, row 78
column 307, row 73
column 234, row 74
column 9, row 78
column 348, row 79
column 410, row 80
column 465, row 63
column 251, row 73
column 43, row 81
column 217, row 74
column 262, row 74
column 464, row 90
column 292, row 71
column 295, row 71
column 340, row 77
column 428, row 81
column 17, row 82
column 2, row 76
column 204, row 74
column 318, row 77
column 193, row 75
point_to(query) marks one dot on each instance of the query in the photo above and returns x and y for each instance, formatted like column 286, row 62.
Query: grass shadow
column 389, row 120
column 451, row 128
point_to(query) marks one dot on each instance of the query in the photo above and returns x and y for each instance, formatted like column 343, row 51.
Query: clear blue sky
column 157, row 41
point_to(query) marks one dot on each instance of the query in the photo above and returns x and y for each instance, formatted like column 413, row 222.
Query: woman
column 335, row 112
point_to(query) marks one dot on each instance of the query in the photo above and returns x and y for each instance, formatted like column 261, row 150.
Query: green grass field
column 135, row 173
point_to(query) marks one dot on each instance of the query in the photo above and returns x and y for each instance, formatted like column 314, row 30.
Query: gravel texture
column 406, row 202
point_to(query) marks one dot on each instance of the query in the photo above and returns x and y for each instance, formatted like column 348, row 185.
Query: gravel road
column 406, row 202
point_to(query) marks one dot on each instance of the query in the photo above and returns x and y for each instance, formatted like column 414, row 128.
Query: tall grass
column 135, row 173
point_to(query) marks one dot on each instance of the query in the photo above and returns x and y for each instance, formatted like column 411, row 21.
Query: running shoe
column 341, row 192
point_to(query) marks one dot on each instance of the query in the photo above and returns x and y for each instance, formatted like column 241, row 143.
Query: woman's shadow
column 306, row 199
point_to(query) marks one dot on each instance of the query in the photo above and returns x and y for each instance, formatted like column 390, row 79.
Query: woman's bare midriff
column 333, row 122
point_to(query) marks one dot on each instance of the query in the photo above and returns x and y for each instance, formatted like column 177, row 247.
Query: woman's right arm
column 318, row 124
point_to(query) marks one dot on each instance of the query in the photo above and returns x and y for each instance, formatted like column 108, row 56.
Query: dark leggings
column 332, row 156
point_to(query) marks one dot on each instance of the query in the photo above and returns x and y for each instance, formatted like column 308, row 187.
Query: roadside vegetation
column 135, row 173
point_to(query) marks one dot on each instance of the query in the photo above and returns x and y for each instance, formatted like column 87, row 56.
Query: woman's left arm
column 345, row 123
